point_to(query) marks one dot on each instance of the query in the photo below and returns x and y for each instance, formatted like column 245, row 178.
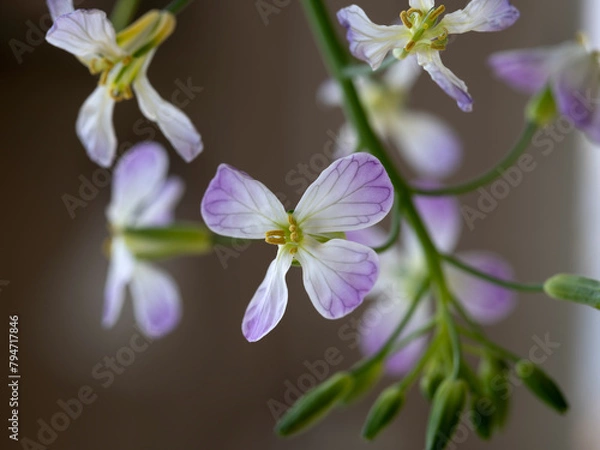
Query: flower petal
column 120, row 272
column 330, row 93
column 156, row 300
column 60, row 7
column 423, row 5
column 346, row 142
column 337, row 274
column 403, row 74
column 370, row 42
column 95, row 127
column 85, row 33
column 137, row 179
column 371, row 237
column 354, row 192
column 174, row 124
column 486, row 302
column 159, row 212
column 481, row 15
column 268, row 304
column 450, row 83
column 430, row 146
column 237, row 205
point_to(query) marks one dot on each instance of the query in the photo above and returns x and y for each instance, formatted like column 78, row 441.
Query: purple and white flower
column 425, row 32
column 429, row 146
column 403, row 270
column 570, row 70
column 142, row 196
column 122, row 61
column 353, row 193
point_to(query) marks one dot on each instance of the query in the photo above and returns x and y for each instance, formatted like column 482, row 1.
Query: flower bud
column 496, row 387
column 384, row 410
column 314, row 404
column 542, row 109
column 541, row 385
column 448, row 404
column 574, row 288
column 432, row 377
column 363, row 379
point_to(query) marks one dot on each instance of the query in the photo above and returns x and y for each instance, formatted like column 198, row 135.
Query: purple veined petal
column 423, row 5
column 485, row 302
column 159, row 211
column 576, row 86
column 370, row 237
column 156, row 300
column 428, row 144
column 354, row 192
column 403, row 74
column 330, row 93
column 268, row 304
column 481, row 15
column 337, row 275
column 237, row 205
column 95, row 127
column 86, row 33
column 450, row 83
column 175, row 125
column 138, row 179
column 60, row 7
column 120, row 272
column 369, row 42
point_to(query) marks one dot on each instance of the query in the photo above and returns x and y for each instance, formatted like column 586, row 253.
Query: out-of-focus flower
column 353, row 193
column 142, row 196
column 404, row 269
column 570, row 70
column 122, row 61
column 429, row 145
column 425, row 32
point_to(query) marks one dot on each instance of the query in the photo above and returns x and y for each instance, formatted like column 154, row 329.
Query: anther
column 275, row 237
column 406, row 19
column 408, row 47
column 436, row 13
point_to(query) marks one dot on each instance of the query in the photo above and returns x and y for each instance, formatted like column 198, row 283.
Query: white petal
column 95, row 127
column 337, row 274
column 175, row 125
column 119, row 274
column 403, row 74
column 352, row 193
column 156, row 300
column 330, row 93
column 137, row 180
column 370, row 42
column 268, row 304
column 346, row 142
column 159, row 211
column 450, row 83
column 237, row 205
column 423, row 5
column 85, row 33
column 481, row 15
column 60, row 7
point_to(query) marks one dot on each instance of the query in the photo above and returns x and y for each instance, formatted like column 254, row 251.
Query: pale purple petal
column 369, row 42
column 423, row 5
column 403, row 74
column 337, row 274
column 120, row 272
column 138, row 178
column 352, row 193
column 173, row 122
column 485, row 302
column 237, row 205
column 371, row 237
column 159, row 211
column 95, row 127
column 346, row 142
column 85, row 33
column 330, row 93
column 592, row 130
column 428, row 144
column 481, row 15
column 450, row 83
column 156, row 300
column 270, row 300
column 60, row 7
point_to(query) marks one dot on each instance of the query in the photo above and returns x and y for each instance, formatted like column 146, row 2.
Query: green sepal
column 384, row 410
column 574, row 288
column 448, row 404
column 314, row 404
column 541, row 385
column 542, row 109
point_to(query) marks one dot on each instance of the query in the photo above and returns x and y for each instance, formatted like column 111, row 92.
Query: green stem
column 123, row 12
column 510, row 159
column 358, row 70
column 176, row 6
column 526, row 287
column 414, row 335
column 395, row 228
column 414, row 373
column 492, row 347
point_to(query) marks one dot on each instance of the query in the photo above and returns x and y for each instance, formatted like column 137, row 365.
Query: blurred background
column 204, row 386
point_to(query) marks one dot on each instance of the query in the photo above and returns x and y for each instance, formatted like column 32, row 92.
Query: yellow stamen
column 406, row 20
column 436, row 13
column 275, row 237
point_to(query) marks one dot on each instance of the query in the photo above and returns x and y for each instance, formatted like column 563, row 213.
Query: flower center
column 424, row 29
column 290, row 235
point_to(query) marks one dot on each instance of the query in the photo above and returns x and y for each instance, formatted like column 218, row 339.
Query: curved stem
column 414, row 335
column 395, row 228
column 176, row 6
column 494, row 348
column 526, row 287
column 511, row 158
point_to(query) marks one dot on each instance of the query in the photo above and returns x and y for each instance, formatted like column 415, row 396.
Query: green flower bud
column 385, row 409
column 448, row 404
column 314, row 404
column 541, row 385
column 496, row 387
column 175, row 240
column 483, row 409
column 574, row 288
column 364, row 379
column 432, row 377
column 542, row 109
